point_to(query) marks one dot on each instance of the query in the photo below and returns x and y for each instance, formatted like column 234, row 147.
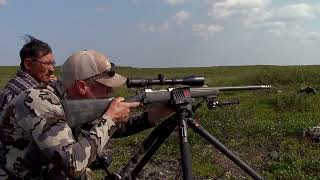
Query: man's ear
column 27, row 63
column 82, row 87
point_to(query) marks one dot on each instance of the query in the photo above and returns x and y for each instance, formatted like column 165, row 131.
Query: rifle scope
column 141, row 82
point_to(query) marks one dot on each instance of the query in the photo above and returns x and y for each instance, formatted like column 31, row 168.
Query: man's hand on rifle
column 119, row 111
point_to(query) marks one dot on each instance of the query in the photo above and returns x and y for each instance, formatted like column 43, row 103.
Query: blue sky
column 168, row 33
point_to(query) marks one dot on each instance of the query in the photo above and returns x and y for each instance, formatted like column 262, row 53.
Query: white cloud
column 181, row 16
column 269, row 25
column 297, row 32
column 101, row 9
column 3, row 2
column 252, row 11
column 175, row 2
column 312, row 36
column 294, row 12
column 154, row 28
column 260, row 14
column 282, row 15
column 136, row 1
column 204, row 31
column 230, row 7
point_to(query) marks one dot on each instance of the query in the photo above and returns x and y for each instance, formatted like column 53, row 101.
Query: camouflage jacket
column 38, row 143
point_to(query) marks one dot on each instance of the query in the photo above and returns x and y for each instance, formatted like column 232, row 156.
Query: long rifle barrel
column 237, row 88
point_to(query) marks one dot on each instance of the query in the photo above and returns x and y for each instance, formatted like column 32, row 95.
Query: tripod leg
column 201, row 131
column 185, row 150
column 149, row 147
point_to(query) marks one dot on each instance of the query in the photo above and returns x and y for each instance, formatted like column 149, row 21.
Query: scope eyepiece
column 141, row 82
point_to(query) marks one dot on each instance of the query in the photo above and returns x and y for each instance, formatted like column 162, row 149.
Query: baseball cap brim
column 116, row 81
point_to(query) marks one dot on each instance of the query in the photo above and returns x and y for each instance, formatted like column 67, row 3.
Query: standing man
column 37, row 66
column 37, row 140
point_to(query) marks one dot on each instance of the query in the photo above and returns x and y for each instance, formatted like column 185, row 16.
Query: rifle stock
column 80, row 112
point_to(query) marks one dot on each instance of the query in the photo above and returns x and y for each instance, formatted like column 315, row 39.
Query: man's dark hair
column 33, row 49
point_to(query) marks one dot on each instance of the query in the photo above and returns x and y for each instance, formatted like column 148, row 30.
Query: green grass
column 264, row 130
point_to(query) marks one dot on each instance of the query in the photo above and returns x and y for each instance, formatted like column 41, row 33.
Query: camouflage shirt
column 37, row 141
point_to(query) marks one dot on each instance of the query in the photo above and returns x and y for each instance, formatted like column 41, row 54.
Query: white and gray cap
column 87, row 64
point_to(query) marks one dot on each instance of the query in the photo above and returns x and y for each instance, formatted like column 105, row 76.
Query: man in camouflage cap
column 37, row 141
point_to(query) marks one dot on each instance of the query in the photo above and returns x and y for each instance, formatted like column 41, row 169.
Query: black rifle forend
column 189, row 81
column 84, row 111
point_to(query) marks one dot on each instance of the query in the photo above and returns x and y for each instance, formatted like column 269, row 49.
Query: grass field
column 264, row 130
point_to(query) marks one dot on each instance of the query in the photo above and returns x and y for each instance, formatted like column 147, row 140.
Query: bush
column 290, row 102
column 288, row 76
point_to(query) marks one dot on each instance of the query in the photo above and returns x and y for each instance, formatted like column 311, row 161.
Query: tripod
column 182, row 101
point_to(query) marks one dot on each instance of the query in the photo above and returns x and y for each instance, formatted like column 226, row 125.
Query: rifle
column 80, row 112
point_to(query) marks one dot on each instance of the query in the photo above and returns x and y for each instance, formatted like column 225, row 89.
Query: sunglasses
column 109, row 72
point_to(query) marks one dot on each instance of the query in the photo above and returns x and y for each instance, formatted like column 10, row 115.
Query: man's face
column 97, row 90
column 42, row 68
